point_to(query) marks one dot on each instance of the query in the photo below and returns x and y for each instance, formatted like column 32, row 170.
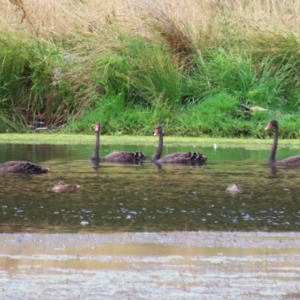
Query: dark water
column 145, row 198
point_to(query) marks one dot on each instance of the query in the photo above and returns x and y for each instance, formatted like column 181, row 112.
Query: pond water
column 118, row 197
column 143, row 232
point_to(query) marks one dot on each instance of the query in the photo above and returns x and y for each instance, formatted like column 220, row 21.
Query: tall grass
column 142, row 71
column 33, row 82
column 142, row 62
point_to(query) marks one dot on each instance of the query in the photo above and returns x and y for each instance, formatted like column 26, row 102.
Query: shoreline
column 171, row 265
column 251, row 240
column 79, row 139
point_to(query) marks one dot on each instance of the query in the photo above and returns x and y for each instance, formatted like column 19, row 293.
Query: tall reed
column 62, row 58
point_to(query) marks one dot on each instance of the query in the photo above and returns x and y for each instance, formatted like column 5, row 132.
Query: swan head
column 158, row 130
column 97, row 126
column 272, row 124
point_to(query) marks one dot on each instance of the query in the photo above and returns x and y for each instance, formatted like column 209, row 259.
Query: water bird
column 290, row 161
column 64, row 187
column 179, row 157
column 25, row 167
column 116, row 156
column 215, row 146
column 234, row 188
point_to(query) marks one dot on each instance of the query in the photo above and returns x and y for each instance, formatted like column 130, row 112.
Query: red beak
column 269, row 126
column 156, row 132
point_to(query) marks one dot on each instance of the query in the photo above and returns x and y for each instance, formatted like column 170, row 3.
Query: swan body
column 64, row 187
column 25, row 167
column 116, row 156
column 178, row 157
column 122, row 156
column 290, row 161
column 234, row 188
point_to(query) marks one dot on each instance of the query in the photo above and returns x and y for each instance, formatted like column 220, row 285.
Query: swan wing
column 292, row 161
column 26, row 167
column 178, row 157
column 184, row 158
column 122, row 156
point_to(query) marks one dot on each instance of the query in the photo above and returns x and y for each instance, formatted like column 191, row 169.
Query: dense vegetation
column 195, row 66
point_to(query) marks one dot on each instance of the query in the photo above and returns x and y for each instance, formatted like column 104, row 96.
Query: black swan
column 116, row 156
column 179, row 157
column 25, row 167
column 64, row 187
column 234, row 188
column 290, row 161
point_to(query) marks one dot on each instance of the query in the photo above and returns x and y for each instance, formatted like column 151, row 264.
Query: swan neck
column 159, row 149
column 274, row 147
column 95, row 155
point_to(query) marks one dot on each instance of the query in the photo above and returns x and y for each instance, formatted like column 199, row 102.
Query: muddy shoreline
column 171, row 265
column 275, row 240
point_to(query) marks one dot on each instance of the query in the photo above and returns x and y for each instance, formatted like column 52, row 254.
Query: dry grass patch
column 200, row 17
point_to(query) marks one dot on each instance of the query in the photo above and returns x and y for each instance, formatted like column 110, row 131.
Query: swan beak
column 156, row 132
column 269, row 126
column 97, row 127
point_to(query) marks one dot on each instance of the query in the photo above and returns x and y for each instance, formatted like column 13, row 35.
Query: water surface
column 119, row 197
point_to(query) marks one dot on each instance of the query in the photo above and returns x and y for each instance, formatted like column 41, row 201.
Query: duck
column 65, row 187
column 116, row 156
column 25, row 167
column 290, row 161
column 234, row 188
column 178, row 157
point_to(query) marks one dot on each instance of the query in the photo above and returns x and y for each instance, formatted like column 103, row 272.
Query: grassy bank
column 84, row 139
column 194, row 66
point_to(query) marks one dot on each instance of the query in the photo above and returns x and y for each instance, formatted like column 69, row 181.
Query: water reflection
column 149, row 197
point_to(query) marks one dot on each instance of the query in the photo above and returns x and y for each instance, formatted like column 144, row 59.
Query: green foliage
column 276, row 59
column 289, row 126
column 142, row 71
column 111, row 72
column 12, row 60
column 137, row 83
column 117, row 117
column 271, row 84
column 210, row 117
column 34, row 81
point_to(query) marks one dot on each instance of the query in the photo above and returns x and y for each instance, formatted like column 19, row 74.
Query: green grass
column 195, row 83
column 144, row 84
column 34, row 81
column 71, row 139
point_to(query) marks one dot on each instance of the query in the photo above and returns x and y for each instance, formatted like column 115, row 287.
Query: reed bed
column 133, row 64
